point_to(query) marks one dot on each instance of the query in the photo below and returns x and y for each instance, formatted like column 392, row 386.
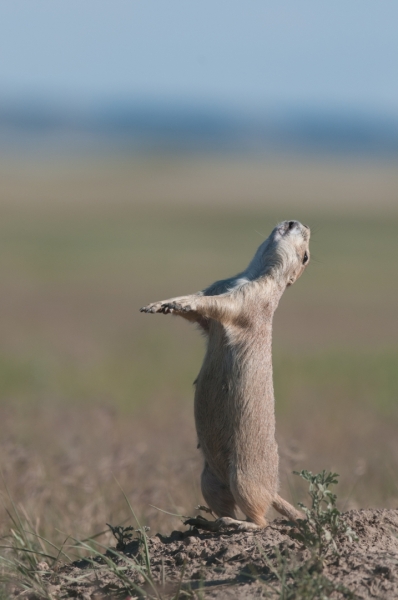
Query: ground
column 243, row 565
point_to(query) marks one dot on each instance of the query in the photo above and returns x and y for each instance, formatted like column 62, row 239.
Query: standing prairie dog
column 234, row 398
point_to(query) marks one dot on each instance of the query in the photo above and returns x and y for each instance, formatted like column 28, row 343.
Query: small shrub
column 297, row 579
column 323, row 523
column 122, row 535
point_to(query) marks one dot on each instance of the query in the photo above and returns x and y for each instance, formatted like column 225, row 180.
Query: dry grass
column 91, row 391
column 64, row 467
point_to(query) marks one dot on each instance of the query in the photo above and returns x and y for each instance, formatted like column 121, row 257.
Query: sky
column 247, row 53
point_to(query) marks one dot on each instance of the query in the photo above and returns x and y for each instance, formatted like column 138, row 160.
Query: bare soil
column 242, row 565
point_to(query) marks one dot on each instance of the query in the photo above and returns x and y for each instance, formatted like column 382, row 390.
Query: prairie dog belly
column 234, row 422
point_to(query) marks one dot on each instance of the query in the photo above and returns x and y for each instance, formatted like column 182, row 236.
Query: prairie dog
column 234, row 396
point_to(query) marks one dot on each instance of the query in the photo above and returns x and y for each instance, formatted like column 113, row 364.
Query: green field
column 90, row 389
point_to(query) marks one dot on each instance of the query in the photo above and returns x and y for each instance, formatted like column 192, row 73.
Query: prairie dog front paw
column 174, row 305
column 177, row 307
column 156, row 307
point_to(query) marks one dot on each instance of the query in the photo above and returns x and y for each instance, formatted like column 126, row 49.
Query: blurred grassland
column 83, row 245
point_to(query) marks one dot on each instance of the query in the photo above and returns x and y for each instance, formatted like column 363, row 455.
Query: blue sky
column 252, row 53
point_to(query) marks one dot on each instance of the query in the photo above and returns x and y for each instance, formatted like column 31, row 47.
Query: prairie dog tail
column 286, row 509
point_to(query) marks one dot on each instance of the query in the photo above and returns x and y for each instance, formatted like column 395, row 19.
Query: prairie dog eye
column 305, row 258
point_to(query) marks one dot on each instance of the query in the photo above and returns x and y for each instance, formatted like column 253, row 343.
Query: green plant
column 323, row 523
column 125, row 535
column 122, row 535
column 290, row 578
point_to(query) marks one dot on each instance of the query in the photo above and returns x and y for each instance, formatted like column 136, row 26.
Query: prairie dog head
column 285, row 253
column 291, row 243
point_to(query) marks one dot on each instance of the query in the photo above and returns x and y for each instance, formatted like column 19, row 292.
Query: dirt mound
column 242, row 565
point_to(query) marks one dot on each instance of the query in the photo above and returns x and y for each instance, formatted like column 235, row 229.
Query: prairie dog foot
column 221, row 524
column 229, row 523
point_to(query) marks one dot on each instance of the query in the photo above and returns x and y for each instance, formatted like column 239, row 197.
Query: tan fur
column 234, row 398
